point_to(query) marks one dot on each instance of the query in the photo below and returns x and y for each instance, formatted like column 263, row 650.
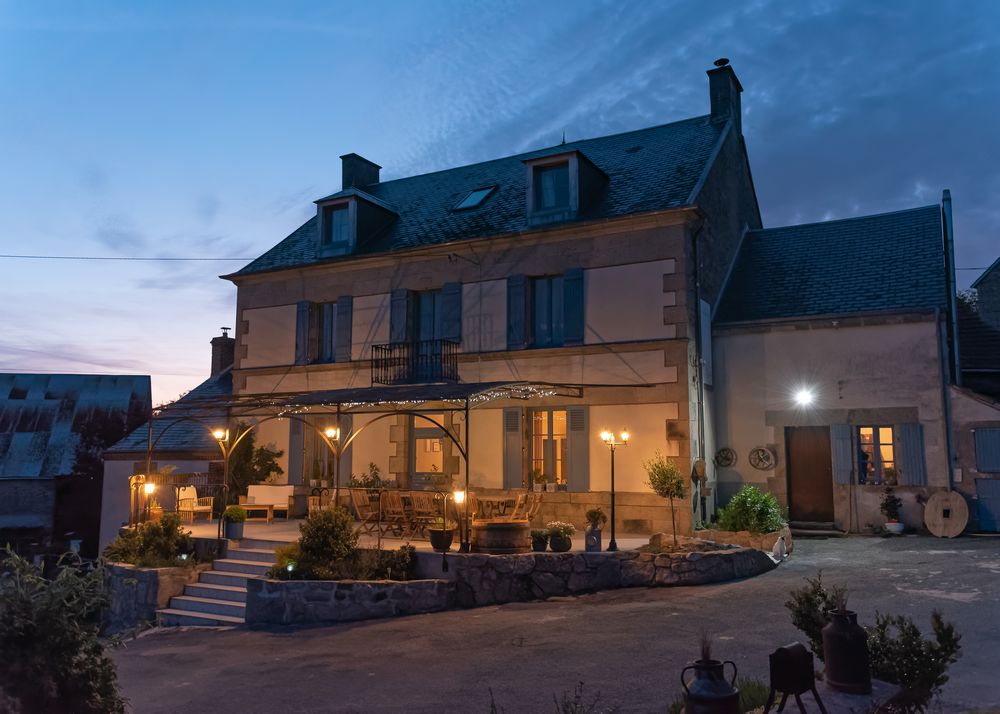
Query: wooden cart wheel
column 946, row 514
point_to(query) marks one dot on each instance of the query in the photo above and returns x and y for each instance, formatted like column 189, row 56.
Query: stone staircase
column 219, row 597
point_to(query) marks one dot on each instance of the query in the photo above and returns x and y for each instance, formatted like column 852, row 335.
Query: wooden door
column 810, row 474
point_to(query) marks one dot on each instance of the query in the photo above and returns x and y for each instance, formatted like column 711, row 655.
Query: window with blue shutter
column 302, row 315
column 513, row 449
column 342, row 330
column 517, row 312
column 842, row 453
column 401, row 316
column 574, row 321
column 451, row 312
column 987, row 450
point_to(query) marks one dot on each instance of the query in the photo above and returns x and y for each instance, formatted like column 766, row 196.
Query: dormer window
column 561, row 186
column 552, row 187
column 336, row 225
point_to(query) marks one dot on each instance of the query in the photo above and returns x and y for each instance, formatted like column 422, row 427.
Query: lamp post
column 463, row 531
column 222, row 436
column 332, row 437
column 609, row 440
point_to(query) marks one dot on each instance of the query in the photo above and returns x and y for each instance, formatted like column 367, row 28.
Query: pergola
column 417, row 400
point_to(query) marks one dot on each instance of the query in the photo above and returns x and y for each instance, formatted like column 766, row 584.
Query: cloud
column 120, row 234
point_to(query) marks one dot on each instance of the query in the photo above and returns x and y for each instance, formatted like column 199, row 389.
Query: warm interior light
column 625, row 436
column 459, row 497
column 220, row 435
column 804, row 397
column 149, row 488
column 332, row 433
column 607, row 436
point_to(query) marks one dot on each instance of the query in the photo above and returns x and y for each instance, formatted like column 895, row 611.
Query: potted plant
column 441, row 534
column 560, row 536
column 234, row 516
column 539, row 540
column 666, row 480
column 538, row 480
column 596, row 518
column 890, row 507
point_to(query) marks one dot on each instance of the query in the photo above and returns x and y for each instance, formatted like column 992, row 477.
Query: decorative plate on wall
column 761, row 458
column 725, row 457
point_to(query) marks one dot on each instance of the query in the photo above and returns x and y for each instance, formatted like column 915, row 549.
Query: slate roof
column 889, row 261
column 42, row 415
column 978, row 342
column 206, row 402
column 649, row 169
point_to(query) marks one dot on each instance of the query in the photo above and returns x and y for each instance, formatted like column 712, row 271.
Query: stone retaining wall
column 136, row 594
column 760, row 541
column 496, row 579
column 302, row 602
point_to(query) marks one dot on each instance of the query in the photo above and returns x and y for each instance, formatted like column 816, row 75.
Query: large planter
column 234, row 530
column 441, row 539
column 498, row 536
column 709, row 692
column 560, row 543
column 592, row 540
column 895, row 527
column 845, row 652
column 539, row 545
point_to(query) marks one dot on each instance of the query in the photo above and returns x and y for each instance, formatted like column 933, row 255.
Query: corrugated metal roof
column 42, row 415
column 650, row 169
column 890, row 261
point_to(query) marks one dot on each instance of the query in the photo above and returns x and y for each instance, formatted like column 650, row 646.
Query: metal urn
column 708, row 692
column 845, row 652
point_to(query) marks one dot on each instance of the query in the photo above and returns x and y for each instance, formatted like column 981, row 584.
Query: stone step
column 262, row 544
column 218, row 592
column 250, row 567
column 258, row 554
column 812, row 525
column 211, row 606
column 817, row 533
column 170, row 617
column 218, row 577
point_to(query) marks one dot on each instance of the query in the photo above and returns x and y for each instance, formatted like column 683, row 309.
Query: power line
column 107, row 257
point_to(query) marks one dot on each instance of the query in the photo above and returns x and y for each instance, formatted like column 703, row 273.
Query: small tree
column 667, row 481
column 250, row 464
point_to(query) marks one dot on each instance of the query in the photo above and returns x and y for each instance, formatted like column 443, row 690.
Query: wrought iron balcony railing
column 415, row 362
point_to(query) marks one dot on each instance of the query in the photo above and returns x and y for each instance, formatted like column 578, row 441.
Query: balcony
column 415, row 362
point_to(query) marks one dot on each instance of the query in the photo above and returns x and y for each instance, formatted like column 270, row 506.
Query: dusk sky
column 206, row 129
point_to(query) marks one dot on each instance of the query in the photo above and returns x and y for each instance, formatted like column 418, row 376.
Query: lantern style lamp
column 612, row 443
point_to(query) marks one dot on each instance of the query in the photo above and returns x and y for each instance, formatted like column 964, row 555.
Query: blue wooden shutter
column 302, row 311
column 296, row 446
column 573, row 307
column 513, row 449
column 578, row 468
column 910, row 466
column 451, row 312
column 842, row 453
column 342, row 339
column 400, row 316
column 987, row 450
column 517, row 312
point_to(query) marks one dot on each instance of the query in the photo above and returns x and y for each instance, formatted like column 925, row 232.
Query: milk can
column 708, row 692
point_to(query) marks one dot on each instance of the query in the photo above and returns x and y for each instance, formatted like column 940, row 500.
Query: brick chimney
column 724, row 89
column 223, row 352
column 358, row 171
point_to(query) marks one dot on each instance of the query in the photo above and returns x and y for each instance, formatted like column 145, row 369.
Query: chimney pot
column 358, row 171
column 724, row 90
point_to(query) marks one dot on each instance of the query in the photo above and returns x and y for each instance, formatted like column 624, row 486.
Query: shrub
column 597, row 517
column 558, row 528
column 154, row 544
column 440, row 524
column 899, row 654
column 52, row 658
column 372, row 479
column 809, row 606
column 667, row 481
column 752, row 510
column 234, row 514
column 891, row 505
column 285, row 555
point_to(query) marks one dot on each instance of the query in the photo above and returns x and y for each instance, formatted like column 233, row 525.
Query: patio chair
column 394, row 516
column 425, row 507
column 365, row 509
column 527, row 506
column 188, row 503
column 320, row 501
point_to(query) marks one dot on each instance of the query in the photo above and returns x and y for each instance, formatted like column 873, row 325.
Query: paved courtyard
column 629, row 645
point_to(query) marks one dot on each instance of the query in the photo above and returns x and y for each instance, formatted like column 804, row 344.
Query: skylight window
column 475, row 198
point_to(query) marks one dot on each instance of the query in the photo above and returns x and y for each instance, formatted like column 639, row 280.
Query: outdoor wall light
column 804, row 397
column 149, row 488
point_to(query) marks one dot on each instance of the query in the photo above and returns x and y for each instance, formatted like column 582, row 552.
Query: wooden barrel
column 499, row 536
